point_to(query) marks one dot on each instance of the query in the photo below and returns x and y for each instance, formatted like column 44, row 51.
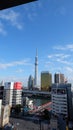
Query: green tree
column 47, row 114
column 18, row 108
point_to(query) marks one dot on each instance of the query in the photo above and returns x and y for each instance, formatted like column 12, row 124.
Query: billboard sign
column 17, row 85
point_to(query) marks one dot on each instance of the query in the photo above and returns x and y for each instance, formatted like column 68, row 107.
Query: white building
column 30, row 104
column 12, row 94
column 17, row 94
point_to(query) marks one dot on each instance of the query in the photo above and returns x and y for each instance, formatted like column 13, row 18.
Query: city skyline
column 47, row 26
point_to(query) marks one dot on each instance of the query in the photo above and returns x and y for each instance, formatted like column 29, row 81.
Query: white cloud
column 2, row 30
column 62, row 10
column 64, row 61
column 12, row 17
column 69, row 73
column 60, row 59
column 70, row 46
column 50, row 56
column 31, row 10
column 31, row 16
column 64, row 47
column 40, row 4
column 58, row 55
column 69, row 69
column 20, row 70
column 15, row 18
column 13, row 78
column 48, row 62
column 14, row 63
column 59, row 47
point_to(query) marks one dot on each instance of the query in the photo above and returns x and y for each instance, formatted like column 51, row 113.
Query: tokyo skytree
column 36, row 70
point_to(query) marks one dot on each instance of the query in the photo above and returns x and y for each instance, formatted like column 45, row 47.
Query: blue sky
column 46, row 25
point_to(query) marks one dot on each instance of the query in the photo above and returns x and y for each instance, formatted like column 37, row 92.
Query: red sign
column 17, row 85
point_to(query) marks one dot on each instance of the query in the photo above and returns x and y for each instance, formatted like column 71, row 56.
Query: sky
column 46, row 25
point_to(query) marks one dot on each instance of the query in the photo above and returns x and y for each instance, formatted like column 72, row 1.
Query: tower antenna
column 36, row 69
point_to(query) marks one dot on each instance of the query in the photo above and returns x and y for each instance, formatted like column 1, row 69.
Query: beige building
column 5, row 113
column 0, row 111
column 46, row 81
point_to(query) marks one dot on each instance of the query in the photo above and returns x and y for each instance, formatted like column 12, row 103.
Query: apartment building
column 17, row 94
column 8, row 93
column 62, row 99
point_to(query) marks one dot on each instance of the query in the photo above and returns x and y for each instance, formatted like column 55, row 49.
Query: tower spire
column 36, row 52
column 36, row 69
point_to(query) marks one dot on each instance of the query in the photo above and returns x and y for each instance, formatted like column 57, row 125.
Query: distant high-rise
column 59, row 78
column 46, row 81
column 36, row 71
column 30, row 82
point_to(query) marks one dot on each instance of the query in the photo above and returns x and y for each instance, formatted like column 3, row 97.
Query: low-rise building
column 53, row 124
